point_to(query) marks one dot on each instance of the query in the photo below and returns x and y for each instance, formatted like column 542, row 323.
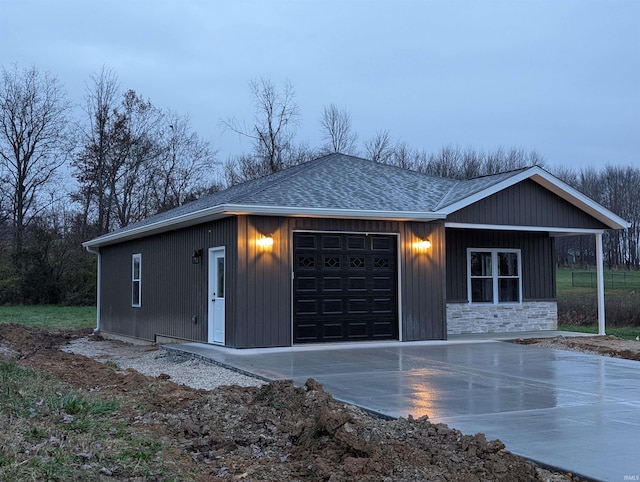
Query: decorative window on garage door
column 494, row 275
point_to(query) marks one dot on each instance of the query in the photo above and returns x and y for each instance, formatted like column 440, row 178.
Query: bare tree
column 276, row 117
column 34, row 143
column 136, row 160
column 337, row 130
column 91, row 165
column 119, row 146
column 184, row 166
column 457, row 163
column 379, row 148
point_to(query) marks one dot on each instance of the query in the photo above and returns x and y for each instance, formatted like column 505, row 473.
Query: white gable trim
column 554, row 185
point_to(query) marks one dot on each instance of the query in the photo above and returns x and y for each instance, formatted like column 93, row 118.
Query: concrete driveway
column 577, row 412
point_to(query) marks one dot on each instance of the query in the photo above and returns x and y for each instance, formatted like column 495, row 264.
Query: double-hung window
column 136, row 280
column 495, row 275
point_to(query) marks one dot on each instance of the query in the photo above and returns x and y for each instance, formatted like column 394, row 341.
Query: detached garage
column 344, row 249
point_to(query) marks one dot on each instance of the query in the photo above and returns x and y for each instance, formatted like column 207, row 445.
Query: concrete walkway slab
column 577, row 412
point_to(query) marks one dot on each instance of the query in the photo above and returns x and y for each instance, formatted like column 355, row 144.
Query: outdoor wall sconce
column 197, row 256
column 265, row 242
column 422, row 244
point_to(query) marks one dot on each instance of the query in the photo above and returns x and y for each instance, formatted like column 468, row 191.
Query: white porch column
column 600, row 284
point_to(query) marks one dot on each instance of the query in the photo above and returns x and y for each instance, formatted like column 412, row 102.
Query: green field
column 571, row 281
column 578, row 304
column 50, row 317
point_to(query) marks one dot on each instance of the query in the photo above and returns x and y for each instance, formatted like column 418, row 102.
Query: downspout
column 600, row 284
column 98, row 290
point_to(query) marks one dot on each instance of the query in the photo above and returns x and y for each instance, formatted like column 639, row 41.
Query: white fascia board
column 224, row 210
column 504, row 227
column 554, row 185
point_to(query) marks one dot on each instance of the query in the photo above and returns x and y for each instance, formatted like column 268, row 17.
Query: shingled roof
column 336, row 185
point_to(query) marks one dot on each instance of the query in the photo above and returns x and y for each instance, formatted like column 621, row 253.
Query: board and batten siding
column 264, row 278
column 174, row 291
column 526, row 204
column 537, row 257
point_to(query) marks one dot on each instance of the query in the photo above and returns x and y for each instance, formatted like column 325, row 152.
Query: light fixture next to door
column 265, row 242
column 422, row 244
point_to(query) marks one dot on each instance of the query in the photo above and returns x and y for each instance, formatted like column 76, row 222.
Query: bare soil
column 274, row 432
column 599, row 345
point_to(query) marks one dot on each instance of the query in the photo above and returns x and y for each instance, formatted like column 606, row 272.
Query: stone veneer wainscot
column 528, row 316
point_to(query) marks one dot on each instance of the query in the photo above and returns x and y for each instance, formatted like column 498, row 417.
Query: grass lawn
column 50, row 317
column 50, row 431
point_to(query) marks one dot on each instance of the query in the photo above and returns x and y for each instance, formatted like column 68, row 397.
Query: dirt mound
column 25, row 341
column 280, row 432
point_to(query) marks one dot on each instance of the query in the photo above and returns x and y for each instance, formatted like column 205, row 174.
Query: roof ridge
column 441, row 203
column 498, row 177
column 501, row 173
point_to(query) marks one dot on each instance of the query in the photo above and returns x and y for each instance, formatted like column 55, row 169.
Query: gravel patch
column 154, row 362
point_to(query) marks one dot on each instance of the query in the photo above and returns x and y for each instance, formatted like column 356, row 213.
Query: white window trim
column 136, row 257
column 495, row 277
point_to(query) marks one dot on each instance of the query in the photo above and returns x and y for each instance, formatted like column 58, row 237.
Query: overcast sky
column 558, row 76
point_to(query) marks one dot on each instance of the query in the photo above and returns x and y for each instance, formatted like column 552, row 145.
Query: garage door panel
column 382, row 243
column 307, row 332
column 357, row 283
column 307, row 284
column 332, row 331
column 381, row 329
column 383, row 283
column 330, row 242
column 357, row 305
column 307, row 241
column 355, row 243
column 332, row 283
column 358, row 329
column 332, row 307
column 306, row 307
column 345, row 287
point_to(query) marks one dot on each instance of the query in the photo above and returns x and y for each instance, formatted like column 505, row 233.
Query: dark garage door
column 344, row 287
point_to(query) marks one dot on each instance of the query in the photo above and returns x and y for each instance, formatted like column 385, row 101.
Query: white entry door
column 216, row 294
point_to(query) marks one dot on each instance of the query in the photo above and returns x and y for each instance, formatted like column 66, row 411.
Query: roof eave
column 225, row 210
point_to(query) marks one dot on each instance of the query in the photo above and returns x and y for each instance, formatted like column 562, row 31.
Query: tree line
column 66, row 178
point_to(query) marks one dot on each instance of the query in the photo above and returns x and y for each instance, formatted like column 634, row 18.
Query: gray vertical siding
column 264, row 316
column 423, row 282
column 259, row 283
column 526, row 204
column 538, row 270
column 263, row 285
column 174, row 290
